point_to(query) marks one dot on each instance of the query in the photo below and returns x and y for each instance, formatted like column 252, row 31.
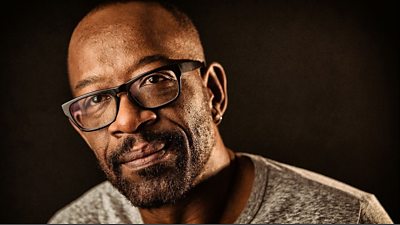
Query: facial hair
column 165, row 183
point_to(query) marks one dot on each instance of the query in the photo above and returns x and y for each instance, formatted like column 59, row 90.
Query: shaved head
column 131, row 26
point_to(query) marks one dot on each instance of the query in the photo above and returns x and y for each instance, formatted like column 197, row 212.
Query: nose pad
column 131, row 116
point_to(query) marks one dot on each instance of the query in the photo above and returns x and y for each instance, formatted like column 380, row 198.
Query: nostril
column 148, row 119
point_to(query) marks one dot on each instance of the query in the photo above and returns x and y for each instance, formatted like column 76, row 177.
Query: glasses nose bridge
column 125, row 88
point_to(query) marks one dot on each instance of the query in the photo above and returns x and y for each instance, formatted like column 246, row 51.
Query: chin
column 159, row 185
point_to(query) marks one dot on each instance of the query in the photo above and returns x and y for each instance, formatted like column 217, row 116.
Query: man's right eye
column 97, row 99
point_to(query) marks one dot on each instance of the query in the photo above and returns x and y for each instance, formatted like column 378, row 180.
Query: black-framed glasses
column 151, row 90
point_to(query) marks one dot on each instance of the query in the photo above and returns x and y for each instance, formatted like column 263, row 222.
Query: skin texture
column 199, row 180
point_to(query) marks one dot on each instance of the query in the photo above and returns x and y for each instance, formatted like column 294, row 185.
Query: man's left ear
column 214, row 79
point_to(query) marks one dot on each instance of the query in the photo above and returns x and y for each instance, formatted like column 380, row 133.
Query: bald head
column 119, row 36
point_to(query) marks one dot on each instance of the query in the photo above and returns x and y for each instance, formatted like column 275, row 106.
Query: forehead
column 111, row 42
column 136, row 21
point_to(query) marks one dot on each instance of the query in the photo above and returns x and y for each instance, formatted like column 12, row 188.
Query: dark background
column 311, row 83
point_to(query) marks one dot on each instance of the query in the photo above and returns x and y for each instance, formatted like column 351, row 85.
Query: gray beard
column 163, row 183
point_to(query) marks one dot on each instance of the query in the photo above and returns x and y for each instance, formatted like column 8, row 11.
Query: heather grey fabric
column 280, row 194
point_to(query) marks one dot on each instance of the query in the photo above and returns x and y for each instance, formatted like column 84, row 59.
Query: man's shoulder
column 297, row 195
column 101, row 204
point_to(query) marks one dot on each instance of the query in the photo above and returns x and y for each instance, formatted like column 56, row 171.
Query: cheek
column 98, row 142
column 193, row 99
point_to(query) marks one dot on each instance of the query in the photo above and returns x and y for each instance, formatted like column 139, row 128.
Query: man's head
column 153, row 155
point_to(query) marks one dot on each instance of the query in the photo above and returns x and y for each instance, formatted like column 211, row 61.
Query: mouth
column 144, row 155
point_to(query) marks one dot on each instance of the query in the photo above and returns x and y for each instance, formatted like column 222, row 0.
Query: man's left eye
column 155, row 79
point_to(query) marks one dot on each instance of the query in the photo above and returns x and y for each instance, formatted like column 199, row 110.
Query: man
column 149, row 108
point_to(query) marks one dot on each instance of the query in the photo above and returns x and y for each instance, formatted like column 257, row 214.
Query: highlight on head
column 138, row 22
column 186, row 28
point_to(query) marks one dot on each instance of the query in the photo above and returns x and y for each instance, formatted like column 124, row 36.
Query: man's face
column 151, row 156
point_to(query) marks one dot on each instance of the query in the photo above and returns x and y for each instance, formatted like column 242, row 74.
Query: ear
column 214, row 79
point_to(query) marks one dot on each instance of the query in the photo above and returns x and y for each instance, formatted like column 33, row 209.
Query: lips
column 143, row 154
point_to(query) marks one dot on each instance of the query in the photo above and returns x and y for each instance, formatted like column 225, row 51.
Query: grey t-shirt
column 280, row 194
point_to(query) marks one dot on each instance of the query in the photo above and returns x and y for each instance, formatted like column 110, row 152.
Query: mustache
column 167, row 137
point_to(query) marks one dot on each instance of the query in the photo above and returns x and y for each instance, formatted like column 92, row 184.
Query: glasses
column 151, row 90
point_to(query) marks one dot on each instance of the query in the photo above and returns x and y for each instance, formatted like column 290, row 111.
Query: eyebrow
column 88, row 81
column 143, row 61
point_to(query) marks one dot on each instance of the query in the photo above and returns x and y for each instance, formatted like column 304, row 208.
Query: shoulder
column 295, row 195
column 101, row 204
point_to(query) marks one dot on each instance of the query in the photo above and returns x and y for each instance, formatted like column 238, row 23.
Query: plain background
column 311, row 83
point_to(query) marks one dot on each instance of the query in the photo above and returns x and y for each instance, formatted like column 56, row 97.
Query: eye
column 157, row 78
column 97, row 99
column 154, row 79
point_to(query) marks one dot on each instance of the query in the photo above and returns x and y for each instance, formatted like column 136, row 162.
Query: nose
column 130, row 117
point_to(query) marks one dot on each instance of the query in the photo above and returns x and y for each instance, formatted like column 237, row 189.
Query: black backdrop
column 311, row 83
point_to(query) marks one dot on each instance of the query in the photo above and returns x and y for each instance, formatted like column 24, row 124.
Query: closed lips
column 141, row 151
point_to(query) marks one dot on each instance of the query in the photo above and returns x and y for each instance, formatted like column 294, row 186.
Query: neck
column 207, row 201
